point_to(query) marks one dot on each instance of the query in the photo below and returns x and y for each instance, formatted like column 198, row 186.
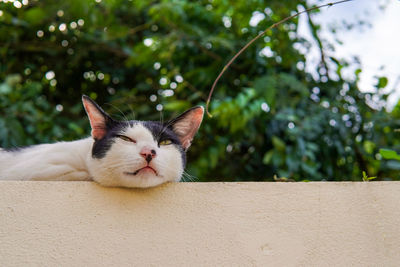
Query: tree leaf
column 382, row 82
column 389, row 154
column 35, row 15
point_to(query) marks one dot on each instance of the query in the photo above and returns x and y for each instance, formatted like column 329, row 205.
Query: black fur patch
column 161, row 132
column 15, row 149
column 101, row 146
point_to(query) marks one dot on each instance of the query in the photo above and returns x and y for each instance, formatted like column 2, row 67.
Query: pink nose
column 148, row 153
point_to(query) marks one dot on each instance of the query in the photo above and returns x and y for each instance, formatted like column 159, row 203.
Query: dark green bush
column 270, row 116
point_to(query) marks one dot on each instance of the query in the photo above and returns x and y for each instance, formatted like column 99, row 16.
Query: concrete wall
column 206, row 224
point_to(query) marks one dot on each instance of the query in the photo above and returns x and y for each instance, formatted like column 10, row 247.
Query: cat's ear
column 186, row 125
column 99, row 119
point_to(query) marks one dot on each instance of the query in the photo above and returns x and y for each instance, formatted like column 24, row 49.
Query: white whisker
column 185, row 175
column 120, row 111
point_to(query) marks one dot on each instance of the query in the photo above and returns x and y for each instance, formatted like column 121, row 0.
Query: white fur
column 64, row 161
column 73, row 161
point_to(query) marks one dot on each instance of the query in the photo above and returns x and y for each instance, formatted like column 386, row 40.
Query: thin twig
column 139, row 28
column 256, row 38
column 320, row 45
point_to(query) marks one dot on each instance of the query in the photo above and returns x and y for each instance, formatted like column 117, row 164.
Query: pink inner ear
column 98, row 133
column 97, row 121
column 187, row 127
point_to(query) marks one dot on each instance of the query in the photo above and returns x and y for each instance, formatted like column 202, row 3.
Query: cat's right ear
column 99, row 119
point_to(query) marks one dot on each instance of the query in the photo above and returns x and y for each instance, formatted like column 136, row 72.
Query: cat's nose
column 148, row 153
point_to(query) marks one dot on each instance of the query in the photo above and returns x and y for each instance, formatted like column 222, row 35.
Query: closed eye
column 165, row 142
column 126, row 138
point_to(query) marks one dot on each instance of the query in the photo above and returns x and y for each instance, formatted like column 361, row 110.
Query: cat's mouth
column 147, row 168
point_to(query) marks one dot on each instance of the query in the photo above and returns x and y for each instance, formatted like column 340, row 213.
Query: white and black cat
column 119, row 153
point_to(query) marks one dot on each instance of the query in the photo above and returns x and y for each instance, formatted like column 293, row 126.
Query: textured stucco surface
column 200, row 224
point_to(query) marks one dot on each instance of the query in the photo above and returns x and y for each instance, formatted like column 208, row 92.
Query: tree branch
column 255, row 39
column 319, row 43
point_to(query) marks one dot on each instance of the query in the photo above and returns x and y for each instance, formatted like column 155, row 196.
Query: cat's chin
column 142, row 179
column 146, row 169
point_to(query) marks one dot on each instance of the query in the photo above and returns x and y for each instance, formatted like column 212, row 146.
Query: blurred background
column 305, row 103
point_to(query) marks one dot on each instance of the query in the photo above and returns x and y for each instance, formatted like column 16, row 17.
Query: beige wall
column 206, row 224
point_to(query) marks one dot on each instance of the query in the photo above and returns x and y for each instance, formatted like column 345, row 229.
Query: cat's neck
column 63, row 161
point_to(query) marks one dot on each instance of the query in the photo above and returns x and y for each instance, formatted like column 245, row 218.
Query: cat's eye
column 165, row 142
column 126, row 138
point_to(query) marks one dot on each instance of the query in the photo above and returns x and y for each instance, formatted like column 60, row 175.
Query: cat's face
column 139, row 153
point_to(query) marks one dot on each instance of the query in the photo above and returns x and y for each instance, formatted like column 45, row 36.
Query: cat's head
column 139, row 153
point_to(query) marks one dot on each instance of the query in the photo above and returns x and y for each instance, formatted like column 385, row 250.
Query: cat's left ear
column 99, row 119
column 186, row 125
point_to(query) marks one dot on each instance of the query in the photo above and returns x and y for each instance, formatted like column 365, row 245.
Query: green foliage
column 389, row 154
column 28, row 117
column 270, row 117
column 393, row 158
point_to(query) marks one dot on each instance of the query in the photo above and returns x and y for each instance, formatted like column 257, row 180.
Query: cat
column 118, row 153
